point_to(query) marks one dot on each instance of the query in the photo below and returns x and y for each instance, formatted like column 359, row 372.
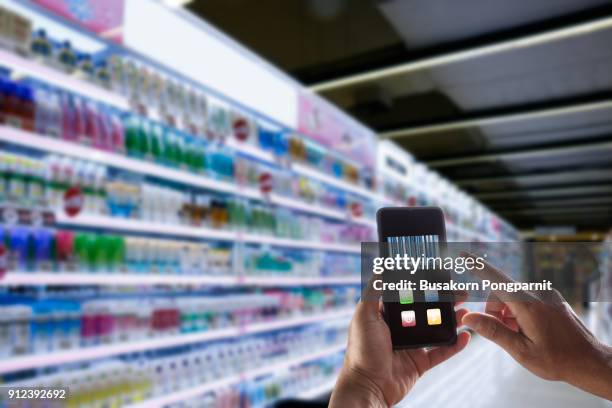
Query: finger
column 511, row 323
column 440, row 354
column 494, row 306
column 489, row 271
column 514, row 300
column 369, row 306
column 459, row 316
column 493, row 329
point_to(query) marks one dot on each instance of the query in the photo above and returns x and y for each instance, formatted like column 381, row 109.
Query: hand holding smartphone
column 416, row 318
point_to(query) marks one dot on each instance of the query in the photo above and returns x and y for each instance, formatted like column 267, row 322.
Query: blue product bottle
column 337, row 169
column 19, row 248
column 43, row 240
column 281, row 144
column 266, row 138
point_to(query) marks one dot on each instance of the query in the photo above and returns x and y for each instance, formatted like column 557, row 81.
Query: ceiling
column 538, row 147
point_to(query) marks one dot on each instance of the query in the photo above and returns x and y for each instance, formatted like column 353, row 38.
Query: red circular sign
column 73, row 201
column 241, row 129
column 266, row 183
column 356, row 209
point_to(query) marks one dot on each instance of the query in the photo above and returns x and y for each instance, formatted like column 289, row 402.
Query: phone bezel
column 391, row 222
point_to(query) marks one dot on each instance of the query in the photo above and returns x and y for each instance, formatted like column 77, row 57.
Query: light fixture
column 469, row 53
column 521, row 155
column 176, row 3
column 497, row 119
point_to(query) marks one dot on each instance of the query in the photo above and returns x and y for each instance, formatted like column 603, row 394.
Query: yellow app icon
column 434, row 317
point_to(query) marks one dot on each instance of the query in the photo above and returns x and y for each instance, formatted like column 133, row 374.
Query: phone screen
column 417, row 318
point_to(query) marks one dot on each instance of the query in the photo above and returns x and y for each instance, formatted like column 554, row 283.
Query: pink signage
column 330, row 127
column 103, row 17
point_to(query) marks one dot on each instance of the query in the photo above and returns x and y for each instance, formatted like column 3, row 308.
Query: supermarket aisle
column 484, row 376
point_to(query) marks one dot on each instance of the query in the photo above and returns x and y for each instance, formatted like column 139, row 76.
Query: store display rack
column 28, row 362
column 37, row 278
column 242, row 377
column 50, row 145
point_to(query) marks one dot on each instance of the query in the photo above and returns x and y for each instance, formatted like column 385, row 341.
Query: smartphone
column 417, row 318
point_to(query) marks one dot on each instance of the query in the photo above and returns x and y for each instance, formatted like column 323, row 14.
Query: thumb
column 493, row 329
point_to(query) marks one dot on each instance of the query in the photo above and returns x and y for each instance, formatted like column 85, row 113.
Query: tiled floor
column 484, row 376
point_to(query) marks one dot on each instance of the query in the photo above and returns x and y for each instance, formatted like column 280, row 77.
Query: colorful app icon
column 431, row 295
column 434, row 317
column 406, row 297
column 408, row 318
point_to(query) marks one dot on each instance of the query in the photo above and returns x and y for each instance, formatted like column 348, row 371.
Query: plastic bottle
column 156, row 142
column 27, row 108
column 117, row 141
column 71, row 117
column 90, row 134
column 84, row 251
column 64, row 250
column 11, row 104
column 42, row 111
column 43, row 241
column 19, row 246
column 3, row 99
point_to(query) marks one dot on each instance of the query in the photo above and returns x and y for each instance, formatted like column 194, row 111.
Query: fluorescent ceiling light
column 539, row 177
column 523, row 155
column 461, row 55
column 176, row 3
column 494, row 120
column 572, row 210
column 547, row 192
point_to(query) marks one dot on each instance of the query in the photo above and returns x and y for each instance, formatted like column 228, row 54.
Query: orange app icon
column 408, row 318
column 434, row 317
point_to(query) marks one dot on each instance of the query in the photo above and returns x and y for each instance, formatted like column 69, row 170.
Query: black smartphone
column 417, row 318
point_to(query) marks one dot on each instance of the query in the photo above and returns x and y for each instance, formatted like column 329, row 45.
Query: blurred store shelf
column 26, row 362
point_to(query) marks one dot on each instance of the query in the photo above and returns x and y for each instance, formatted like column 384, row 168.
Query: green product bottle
column 201, row 158
column 144, row 144
column 170, row 148
column 101, row 251
column 180, row 150
column 190, row 158
column 156, row 142
column 116, row 252
column 131, row 135
column 84, row 251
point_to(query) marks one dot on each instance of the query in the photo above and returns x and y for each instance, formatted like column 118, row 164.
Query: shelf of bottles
column 153, row 231
column 405, row 181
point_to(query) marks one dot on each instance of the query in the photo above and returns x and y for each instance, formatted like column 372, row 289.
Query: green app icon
column 406, row 297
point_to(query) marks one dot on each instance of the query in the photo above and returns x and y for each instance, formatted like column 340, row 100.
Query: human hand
column 374, row 375
column 542, row 333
